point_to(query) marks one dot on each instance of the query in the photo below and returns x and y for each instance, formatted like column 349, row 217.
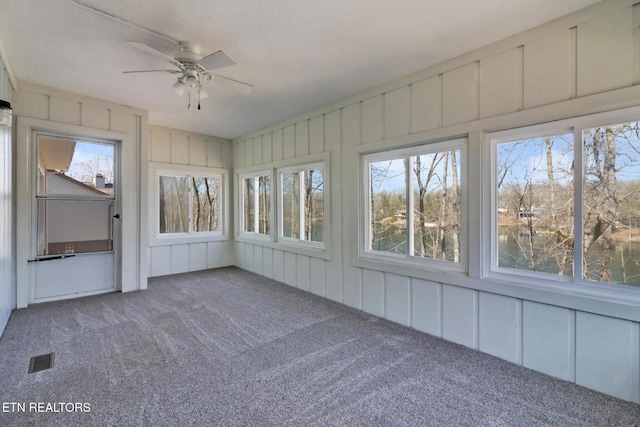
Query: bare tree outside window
column 256, row 204
column 388, row 206
column 430, row 214
column 264, row 205
column 174, row 204
column 314, row 205
column 206, row 202
column 436, row 205
column 303, row 204
column 248, row 222
column 291, row 205
column 535, row 184
column 188, row 204
column 535, row 204
column 611, row 204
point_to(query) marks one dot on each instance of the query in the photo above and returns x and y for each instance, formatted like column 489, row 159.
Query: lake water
column 512, row 244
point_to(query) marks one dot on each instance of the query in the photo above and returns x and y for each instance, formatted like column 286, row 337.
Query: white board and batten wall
column 548, row 73
column 7, row 288
column 176, row 147
column 46, row 109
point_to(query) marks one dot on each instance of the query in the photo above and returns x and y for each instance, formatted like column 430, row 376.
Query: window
column 301, row 203
column 189, row 203
column 535, row 204
column 255, row 196
column 570, row 209
column 414, row 204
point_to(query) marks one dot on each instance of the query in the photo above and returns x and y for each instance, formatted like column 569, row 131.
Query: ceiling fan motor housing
column 188, row 54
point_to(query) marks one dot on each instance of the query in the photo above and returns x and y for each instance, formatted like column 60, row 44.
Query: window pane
column 74, row 226
column 436, row 205
column 264, row 205
column 249, row 205
column 291, row 205
column 206, row 202
column 75, row 168
column 314, row 205
column 174, row 204
column 535, row 204
column 388, row 206
column 611, row 204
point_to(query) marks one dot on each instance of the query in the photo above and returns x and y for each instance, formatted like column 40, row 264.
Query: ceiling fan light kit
column 194, row 70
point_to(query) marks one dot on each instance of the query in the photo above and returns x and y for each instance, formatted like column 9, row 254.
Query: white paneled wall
column 7, row 279
column 556, row 71
column 178, row 147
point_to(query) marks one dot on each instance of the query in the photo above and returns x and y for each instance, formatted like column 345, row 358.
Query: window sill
column 186, row 239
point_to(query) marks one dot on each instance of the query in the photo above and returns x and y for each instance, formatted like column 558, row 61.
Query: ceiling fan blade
column 217, row 59
column 151, row 51
column 153, row 71
column 237, row 85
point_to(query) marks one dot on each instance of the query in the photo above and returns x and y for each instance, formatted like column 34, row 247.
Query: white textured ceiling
column 299, row 54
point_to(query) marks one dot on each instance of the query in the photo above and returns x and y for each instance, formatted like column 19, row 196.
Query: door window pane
column 76, row 168
column 74, row 226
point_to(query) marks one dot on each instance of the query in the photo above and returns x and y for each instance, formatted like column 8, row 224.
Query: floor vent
column 40, row 363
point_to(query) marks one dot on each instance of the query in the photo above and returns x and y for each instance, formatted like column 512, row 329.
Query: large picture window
column 301, row 203
column 568, row 204
column 414, row 203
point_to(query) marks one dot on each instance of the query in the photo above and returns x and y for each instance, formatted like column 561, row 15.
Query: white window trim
column 254, row 235
column 158, row 239
column 531, row 281
column 312, row 249
column 298, row 169
column 378, row 259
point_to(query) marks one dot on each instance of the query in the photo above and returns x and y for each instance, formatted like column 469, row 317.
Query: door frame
column 27, row 129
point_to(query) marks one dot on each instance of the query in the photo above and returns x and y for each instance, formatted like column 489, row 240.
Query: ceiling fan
column 194, row 69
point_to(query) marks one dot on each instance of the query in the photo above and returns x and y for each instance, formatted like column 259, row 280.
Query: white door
column 74, row 217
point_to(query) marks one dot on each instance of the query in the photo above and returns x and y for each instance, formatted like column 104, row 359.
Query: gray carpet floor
column 227, row 347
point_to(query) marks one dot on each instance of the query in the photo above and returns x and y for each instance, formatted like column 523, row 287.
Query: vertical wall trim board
column 521, row 77
column 636, row 43
column 476, row 81
column 476, row 303
column 410, row 108
column 573, row 333
column 519, row 332
column 440, row 310
column 574, row 63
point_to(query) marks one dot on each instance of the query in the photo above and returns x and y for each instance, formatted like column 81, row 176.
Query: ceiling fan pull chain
column 189, row 106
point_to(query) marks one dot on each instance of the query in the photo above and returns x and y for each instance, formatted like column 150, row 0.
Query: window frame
column 299, row 168
column 164, row 169
column 368, row 257
column 240, row 205
column 492, row 269
column 578, row 285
